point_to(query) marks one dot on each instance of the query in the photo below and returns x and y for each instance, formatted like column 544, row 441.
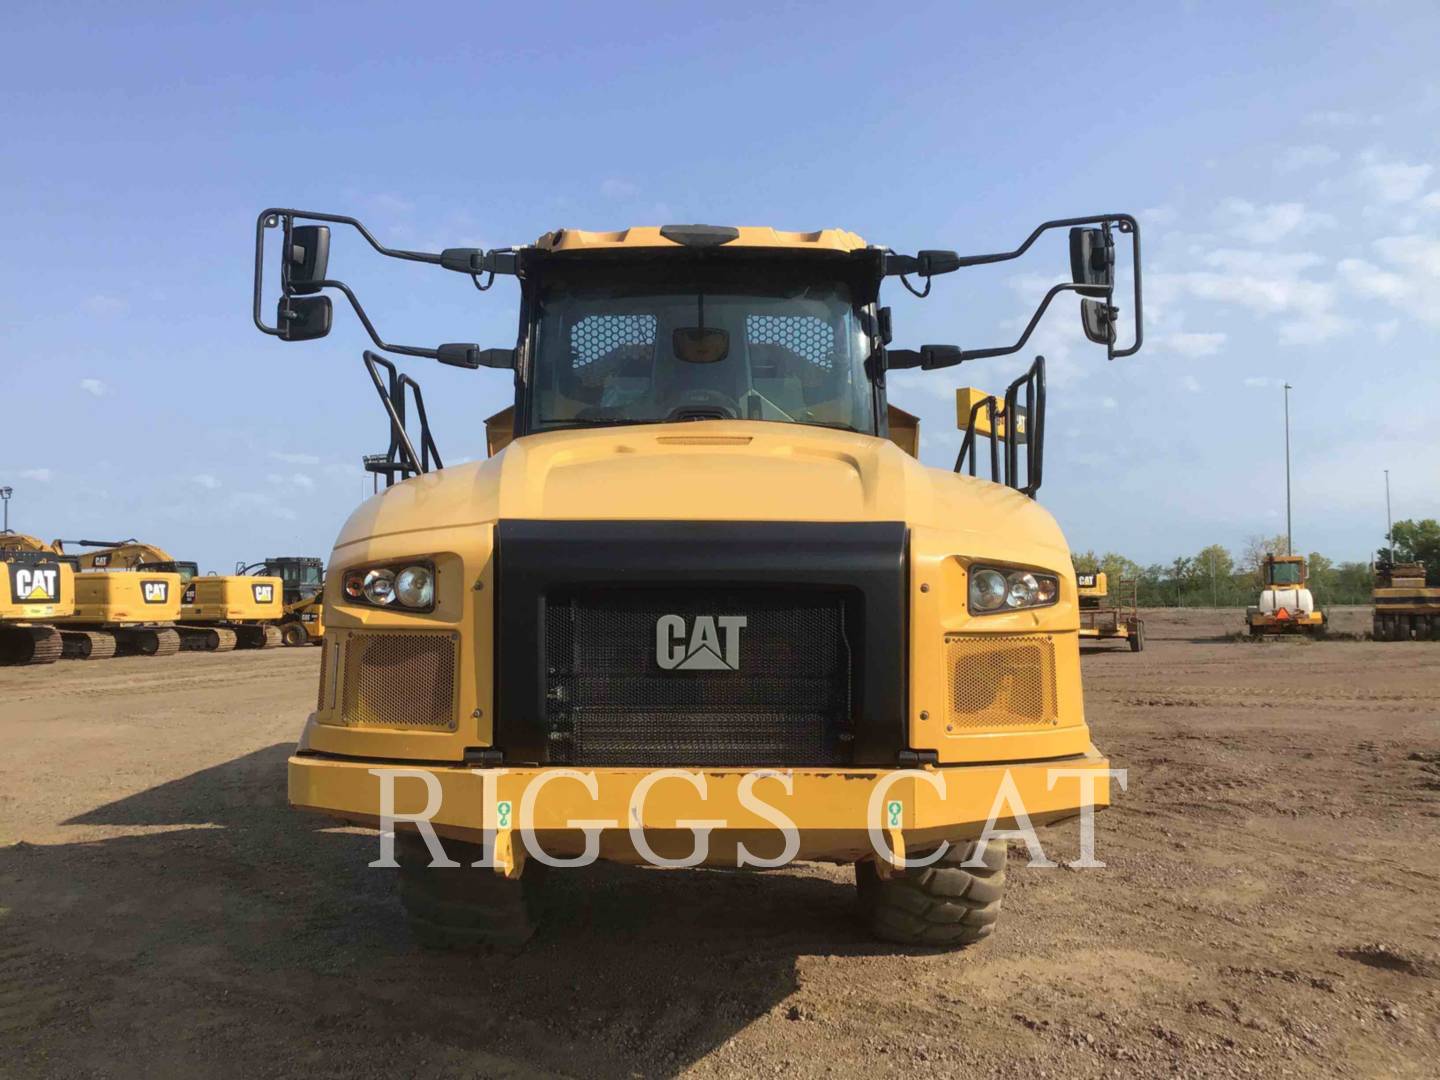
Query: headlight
column 987, row 590
column 415, row 587
column 379, row 587
column 993, row 589
column 406, row 586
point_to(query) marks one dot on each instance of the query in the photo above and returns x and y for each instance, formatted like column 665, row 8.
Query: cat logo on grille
column 711, row 644
column 264, row 594
column 156, row 592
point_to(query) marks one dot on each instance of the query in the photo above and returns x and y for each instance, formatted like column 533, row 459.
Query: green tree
column 1214, row 571
column 1417, row 541
column 1252, row 559
column 1085, row 562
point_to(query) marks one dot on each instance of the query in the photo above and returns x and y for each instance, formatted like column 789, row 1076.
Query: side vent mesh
column 1000, row 681
column 399, row 681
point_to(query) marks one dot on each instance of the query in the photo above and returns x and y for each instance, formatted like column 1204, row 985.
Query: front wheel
column 947, row 905
column 465, row 907
column 294, row 633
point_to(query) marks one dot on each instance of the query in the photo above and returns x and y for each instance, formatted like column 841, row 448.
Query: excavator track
column 260, row 637
column 88, row 644
column 29, row 645
column 156, row 641
column 207, row 639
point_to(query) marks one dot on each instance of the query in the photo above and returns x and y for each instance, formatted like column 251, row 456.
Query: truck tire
column 1137, row 637
column 465, row 907
column 294, row 633
column 944, row 906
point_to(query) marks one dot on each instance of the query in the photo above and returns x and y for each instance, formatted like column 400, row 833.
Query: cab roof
column 678, row 236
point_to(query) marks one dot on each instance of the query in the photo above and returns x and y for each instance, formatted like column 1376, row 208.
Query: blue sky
column 1284, row 162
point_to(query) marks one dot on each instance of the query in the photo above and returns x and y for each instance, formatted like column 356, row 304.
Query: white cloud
column 1393, row 181
column 617, row 188
column 1109, row 403
column 252, row 502
column 100, row 304
column 94, row 387
column 1158, row 215
column 1267, row 284
column 1386, row 330
column 1295, row 158
column 205, row 480
column 1342, row 118
column 1431, row 201
column 41, row 476
column 1269, row 224
column 294, row 480
column 1262, row 381
column 1192, row 344
column 294, row 459
column 1409, row 280
column 1190, row 384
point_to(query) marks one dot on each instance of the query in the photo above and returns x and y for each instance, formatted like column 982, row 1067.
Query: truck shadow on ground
column 235, row 920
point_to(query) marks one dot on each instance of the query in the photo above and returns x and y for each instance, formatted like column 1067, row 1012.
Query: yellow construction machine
column 1104, row 621
column 217, row 612
column 132, row 613
column 1286, row 604
column 303, row 620
column 36, row 586
column 1405, row 608
column 702, row 605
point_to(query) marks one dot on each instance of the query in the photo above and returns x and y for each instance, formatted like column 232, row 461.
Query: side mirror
column 303, row 318
column 1092, row 257
column 308, row 257
column 1097, row 317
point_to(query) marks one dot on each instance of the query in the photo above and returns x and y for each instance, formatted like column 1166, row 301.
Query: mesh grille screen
column 997, row 681
column 596, row 337
column 399, row 681
column 805, row 335
column 609, row 702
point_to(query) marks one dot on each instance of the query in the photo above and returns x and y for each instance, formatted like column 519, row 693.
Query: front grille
column 787, row 700
column 1000, row 681
column 398, row 681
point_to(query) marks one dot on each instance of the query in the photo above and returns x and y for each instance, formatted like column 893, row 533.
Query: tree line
column 1216, row 577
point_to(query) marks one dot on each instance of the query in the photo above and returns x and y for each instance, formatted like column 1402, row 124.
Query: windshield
column 1284, row 573
column 718, row 342
column 298, row 574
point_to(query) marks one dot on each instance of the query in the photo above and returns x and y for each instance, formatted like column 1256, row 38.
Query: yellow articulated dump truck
column 217, row 613
column 1286, row 604
column 701, row 605
column 1104, row 621
column 36, row 586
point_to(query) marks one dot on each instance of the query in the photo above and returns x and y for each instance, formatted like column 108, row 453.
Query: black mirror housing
column 1097, row 318
column 303, row 318
column 1092, row 257
column 308, row 258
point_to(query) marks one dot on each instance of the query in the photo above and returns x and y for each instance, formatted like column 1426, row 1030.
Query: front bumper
column 836, row 813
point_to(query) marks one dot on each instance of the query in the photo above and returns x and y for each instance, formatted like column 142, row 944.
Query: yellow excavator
column 36, row 585
column 217, row 612
column 303, row 621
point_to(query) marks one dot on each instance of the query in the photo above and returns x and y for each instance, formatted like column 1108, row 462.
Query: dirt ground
column 1269, row 908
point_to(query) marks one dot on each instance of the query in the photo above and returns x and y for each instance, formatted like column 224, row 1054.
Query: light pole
column 1289, row 544
column 6, row 492
column 1389, row 524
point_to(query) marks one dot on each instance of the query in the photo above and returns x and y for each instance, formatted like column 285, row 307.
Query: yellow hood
column 730, row 470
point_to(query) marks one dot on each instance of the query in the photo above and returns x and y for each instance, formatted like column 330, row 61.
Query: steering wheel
column 703, row 404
